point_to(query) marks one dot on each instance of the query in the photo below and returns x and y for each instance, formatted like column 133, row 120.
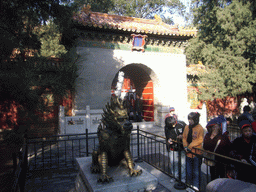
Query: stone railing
column 80, row 121
column 90, row 119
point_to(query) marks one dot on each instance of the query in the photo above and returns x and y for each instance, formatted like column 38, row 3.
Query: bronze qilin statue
column 114, row 141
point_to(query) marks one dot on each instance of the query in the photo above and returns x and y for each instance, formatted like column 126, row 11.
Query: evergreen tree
column 226, row 46
column 147, row 9
column 103, row 6
column 24, row 79
column 50, row 37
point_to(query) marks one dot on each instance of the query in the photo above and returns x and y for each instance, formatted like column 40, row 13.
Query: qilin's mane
column 112, row 113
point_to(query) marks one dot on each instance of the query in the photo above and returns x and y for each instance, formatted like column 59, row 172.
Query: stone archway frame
column 168, row 73
column 140, row 73
column 140, row 60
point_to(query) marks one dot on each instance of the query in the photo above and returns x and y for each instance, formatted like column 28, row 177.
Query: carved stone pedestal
column 86, row 181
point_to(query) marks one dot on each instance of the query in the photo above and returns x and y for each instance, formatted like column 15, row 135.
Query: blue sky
column 179, row 20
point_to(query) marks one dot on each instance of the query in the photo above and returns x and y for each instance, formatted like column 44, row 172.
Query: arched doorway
column 135, row 80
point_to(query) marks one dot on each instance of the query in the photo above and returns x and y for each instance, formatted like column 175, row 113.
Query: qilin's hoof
column 135, row 172
column 105, row 179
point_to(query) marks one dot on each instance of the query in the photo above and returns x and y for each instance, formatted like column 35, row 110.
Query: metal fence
column 152, row 149
column 55, row 152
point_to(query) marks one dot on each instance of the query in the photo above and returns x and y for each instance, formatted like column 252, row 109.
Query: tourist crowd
column 189, row 144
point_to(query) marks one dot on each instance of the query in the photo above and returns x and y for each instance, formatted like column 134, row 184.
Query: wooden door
column 148, row 102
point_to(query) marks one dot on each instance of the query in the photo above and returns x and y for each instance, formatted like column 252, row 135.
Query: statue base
column 86, row 181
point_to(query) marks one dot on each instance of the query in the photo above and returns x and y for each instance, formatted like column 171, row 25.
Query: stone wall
column 98, row 67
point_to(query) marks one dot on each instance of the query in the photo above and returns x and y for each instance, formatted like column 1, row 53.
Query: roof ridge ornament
column 158, row 18
column 86, row 9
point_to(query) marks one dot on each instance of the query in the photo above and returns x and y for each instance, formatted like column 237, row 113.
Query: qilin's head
column 115, row 117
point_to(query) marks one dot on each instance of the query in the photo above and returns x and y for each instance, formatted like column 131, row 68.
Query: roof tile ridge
column 131, row 19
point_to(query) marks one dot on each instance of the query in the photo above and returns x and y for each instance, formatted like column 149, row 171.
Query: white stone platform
column 86, row 181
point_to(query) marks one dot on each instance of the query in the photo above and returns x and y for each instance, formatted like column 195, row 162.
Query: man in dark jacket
column 242, row 149
column 173, row 133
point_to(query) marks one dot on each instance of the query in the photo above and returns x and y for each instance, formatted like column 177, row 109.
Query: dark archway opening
column 136, row 81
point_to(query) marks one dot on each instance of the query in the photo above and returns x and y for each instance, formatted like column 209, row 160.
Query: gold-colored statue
column 114, row 141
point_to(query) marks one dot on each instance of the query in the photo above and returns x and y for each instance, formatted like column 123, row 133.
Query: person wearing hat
column 171, row 113
column 193, row 137
column 241, row 149
column 215, row 141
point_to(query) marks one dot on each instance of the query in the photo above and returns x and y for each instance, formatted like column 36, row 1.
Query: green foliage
column 13, row 138
column 18, row 20
column 147, row 9
column 226, row 46
column 103, row 6
column 24, row 80
column 50, row 41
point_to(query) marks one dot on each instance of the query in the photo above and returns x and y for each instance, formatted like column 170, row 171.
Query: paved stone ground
column 51, row 180
column 64, row 180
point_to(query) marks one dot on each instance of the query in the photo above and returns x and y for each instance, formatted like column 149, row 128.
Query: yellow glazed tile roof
column 131, row 24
